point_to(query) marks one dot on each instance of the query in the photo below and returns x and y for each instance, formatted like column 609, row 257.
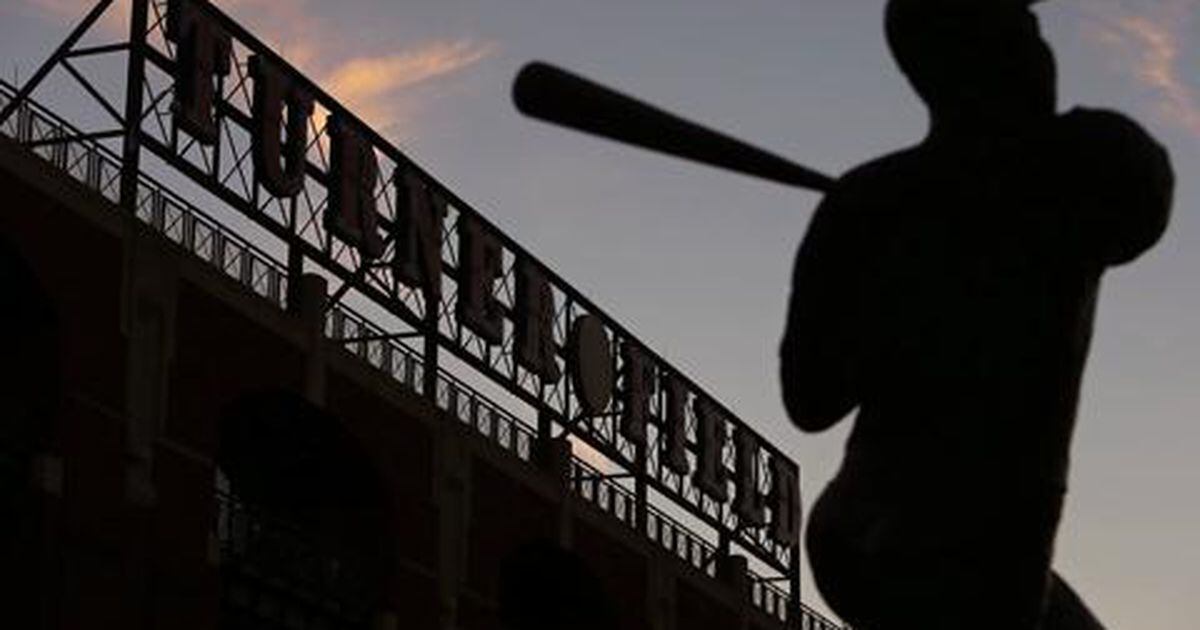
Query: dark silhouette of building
column 948, row 292
column 199, row 435
column 279, row 480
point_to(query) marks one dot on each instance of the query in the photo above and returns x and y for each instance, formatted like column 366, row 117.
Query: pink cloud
column 289, row 27
column 376, row 87
column 1149, row 43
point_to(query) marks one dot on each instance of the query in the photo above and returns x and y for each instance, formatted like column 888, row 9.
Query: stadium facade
column 252, row 398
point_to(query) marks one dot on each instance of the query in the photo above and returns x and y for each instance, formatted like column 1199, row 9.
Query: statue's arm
column 818, row 354
column 1125, row 179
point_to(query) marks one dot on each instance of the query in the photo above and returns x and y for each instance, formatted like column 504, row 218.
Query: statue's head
column 982, row 60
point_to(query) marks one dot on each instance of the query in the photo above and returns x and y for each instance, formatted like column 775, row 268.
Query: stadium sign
column 210, row 100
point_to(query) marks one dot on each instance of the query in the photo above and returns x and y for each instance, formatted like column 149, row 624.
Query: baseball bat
column 549, row 93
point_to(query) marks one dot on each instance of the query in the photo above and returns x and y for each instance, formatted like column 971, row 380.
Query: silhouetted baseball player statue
column 948, row 293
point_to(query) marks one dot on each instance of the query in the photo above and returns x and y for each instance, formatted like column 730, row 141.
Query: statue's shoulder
column 881, row 178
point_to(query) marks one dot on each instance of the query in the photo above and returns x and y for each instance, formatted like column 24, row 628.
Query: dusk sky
column 696, row 261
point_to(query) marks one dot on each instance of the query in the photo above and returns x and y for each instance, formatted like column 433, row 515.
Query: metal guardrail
column 99, row 168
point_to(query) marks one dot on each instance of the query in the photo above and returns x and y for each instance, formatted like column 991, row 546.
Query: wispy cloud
column 381, row 89
column 290, row 27
column 373, row 86
column 1149, row 41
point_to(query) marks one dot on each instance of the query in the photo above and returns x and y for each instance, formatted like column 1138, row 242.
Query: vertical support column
column 149, row 295
column 312, row 297
column 134, row 79
column 660, row 604
column 452, row 494
column 430, row 377
column 794, row 562
column 732, row 570
column 295, row 278
column 544, row 424
column 552, row 454
column 794, row 610
column 556, row 462
column 38, row 563
column 641, row 491
column 148, row 306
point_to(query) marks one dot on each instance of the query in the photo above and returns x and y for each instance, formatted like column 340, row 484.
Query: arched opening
column 301, row 519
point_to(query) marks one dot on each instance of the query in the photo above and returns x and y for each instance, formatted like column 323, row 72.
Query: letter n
column 480, row 265
column 420, row 214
